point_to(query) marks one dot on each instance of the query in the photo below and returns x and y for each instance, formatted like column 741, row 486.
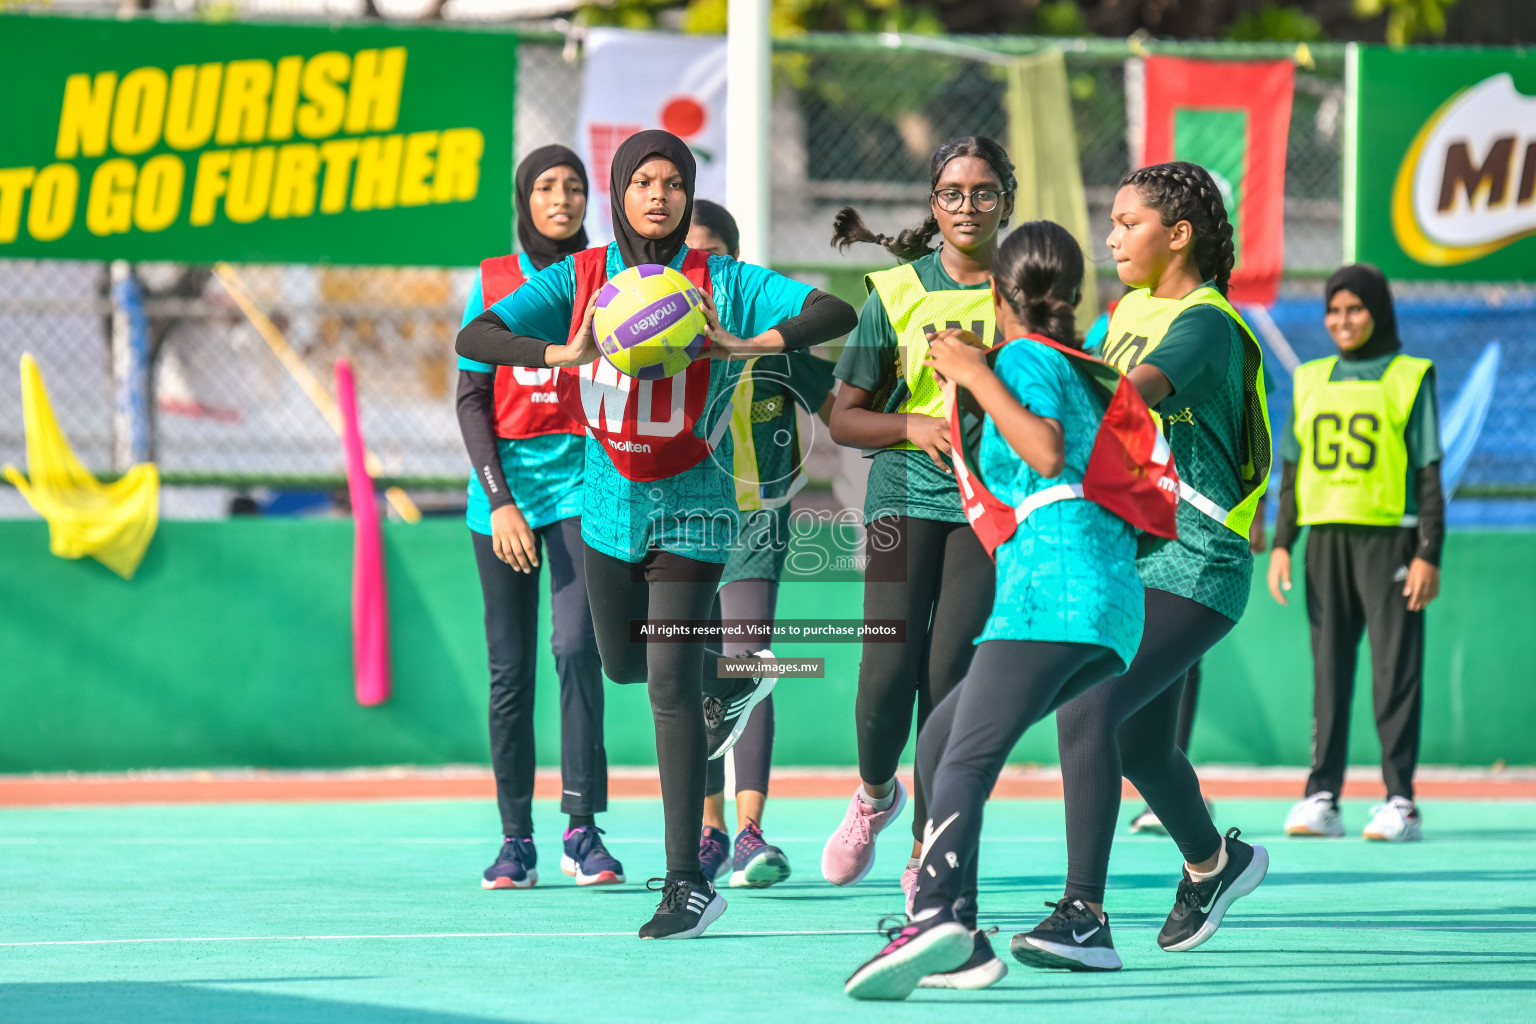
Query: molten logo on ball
column 649, row 322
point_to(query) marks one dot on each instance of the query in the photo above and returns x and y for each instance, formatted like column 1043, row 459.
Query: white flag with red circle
column 632, row 81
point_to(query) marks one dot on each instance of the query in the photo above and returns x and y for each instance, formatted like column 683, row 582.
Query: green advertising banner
column 1440, row 163
column 147, row 140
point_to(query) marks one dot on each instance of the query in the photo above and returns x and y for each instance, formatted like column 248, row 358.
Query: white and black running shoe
column 685, row 910
column 934, row 944
column 1072, row 939
column 725, row 714
column 982, row 970
column 1199, row 906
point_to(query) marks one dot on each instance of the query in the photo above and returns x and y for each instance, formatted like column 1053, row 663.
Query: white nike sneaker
column 1317, row 815
column 1396, row 821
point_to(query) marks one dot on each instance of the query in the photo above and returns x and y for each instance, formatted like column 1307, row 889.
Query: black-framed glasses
column 983, row 200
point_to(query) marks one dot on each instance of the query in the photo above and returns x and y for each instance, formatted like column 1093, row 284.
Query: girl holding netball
column 925, row 566
column 658, row 505
column 1198, row 366
column 524, row 509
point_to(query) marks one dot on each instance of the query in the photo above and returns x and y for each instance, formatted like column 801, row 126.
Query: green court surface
column 372, row 912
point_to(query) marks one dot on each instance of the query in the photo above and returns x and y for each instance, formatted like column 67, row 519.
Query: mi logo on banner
column 1467, row 186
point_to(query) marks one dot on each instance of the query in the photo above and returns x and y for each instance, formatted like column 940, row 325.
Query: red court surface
column 244, row 786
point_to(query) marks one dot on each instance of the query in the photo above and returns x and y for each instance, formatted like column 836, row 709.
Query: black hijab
column 635, row 151
column 541, row 250
column 1371, row 285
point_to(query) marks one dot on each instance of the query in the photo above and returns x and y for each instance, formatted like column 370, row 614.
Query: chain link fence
column 854, row 120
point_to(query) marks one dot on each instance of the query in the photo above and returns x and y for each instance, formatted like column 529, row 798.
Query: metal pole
column 130, row 369
column 748, row 52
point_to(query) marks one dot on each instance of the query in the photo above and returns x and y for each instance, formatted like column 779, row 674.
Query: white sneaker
column 1317, row 815
column 1148, row 822
column 1396, row 821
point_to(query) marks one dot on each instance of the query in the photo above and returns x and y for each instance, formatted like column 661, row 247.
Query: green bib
column 1138, row 326
column 914, row 311
column 1354, row 456
column 747, row 410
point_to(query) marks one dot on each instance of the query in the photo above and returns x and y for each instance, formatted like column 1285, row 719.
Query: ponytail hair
column 1185, row 191
column 1038, row 271
column 914, row 243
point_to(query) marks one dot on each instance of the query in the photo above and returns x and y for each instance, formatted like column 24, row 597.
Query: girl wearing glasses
column 925, row 565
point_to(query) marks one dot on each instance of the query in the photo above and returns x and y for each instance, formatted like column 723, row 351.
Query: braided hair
column 1039, row 273
column 1185, row 191
column 914, row 243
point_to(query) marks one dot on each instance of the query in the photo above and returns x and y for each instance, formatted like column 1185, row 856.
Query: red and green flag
column 1232, row 118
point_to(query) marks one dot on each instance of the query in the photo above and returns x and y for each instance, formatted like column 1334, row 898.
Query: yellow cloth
column 1042, row 140
column 113, row 523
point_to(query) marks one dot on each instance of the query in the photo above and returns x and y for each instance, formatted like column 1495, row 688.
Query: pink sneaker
column 909, row 882
column 850, row 853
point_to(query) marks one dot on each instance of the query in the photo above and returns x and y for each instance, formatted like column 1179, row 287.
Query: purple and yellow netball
column 649, row 322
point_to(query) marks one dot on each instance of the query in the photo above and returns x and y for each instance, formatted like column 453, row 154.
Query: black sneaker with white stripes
column 1072, row 938
column 685, row 910
column 726, row 713
column 1199, row 906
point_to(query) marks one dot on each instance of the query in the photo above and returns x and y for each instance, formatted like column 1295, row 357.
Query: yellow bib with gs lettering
column 1354, row 456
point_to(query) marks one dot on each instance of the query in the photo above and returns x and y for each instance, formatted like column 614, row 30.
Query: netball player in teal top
column 1066, row 616
column 523, row 513
column 657, row 541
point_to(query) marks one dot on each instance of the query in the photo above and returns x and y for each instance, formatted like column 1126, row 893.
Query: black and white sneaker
column 685, row 910
column 1072, row 938
column 982, row 970
column 1199, row 906
column 935, row 944
column 726, row 714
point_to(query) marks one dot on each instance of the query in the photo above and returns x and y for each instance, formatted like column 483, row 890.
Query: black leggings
column 662, row 586
column 1128, row 726
column 1187, row 708
column 752, row 756
column 511, row 629
column 1011, row 686
column 937, row 578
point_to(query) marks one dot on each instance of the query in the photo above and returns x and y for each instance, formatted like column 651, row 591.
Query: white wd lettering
column 646, row 423
column 605, row 393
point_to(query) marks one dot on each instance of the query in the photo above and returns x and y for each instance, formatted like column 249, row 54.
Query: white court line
column 478, row 841
column 418, row 935
column 720, row 935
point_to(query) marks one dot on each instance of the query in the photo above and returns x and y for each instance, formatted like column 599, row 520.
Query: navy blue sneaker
column 587, row 860
column 756, row 864
column 714, row 860
column 514, row 867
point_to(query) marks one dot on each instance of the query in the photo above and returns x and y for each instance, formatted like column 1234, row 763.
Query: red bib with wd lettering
column 527, row 404
column 1130, row 470
column 645, row 426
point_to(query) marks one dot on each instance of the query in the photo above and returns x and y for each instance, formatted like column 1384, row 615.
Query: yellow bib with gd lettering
column 1354, row 455
column 914, row 312
column 1138, row 326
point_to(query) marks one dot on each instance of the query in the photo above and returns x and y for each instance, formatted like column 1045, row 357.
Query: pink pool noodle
column 370, row 603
